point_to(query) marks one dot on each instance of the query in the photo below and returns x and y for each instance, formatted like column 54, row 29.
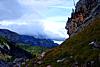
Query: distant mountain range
column 25, row 39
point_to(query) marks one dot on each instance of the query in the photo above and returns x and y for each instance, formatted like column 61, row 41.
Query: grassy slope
column 4, row 56
column 35, row 50
column 76, row 46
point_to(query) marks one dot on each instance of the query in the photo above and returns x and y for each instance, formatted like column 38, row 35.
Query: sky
column 39, row 18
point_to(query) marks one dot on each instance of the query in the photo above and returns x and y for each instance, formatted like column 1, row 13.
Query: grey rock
column 89, row 9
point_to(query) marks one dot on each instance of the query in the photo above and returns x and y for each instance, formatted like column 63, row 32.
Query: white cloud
column 64, row 7
column 56, row 28
column 23, row 28
column 7, row 23
column 35, row 17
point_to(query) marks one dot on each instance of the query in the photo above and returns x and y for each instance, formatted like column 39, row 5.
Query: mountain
column 11, row 54
column 9, row 48
column 16, row 38
column 82, row 48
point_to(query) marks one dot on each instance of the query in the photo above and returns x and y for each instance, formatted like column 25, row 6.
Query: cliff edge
column 83, row 15
column 82, row 48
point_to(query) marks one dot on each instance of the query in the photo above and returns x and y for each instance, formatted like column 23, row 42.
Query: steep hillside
column 34, row 50
column 11, row 54
column 82, row 48
column 10, row 49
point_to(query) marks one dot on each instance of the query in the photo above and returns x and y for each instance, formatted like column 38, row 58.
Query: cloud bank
column 45, row 18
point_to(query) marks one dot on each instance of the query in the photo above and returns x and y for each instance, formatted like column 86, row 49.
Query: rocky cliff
column 85, row 11
column 82, row 48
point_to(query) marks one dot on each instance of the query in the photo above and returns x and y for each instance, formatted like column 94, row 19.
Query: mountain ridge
column 17, row 38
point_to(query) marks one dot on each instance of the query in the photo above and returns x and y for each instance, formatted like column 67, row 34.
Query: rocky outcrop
column 82, row 49
column 85, row 11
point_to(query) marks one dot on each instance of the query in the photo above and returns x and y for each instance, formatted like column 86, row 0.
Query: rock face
column 84, row 11
column 82, row 49
column 16, row 38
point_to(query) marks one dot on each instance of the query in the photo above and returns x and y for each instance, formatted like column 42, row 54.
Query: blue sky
column 36, row 17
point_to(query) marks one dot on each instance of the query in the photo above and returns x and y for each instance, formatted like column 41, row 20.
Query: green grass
column 35, row 50
column 4, row 56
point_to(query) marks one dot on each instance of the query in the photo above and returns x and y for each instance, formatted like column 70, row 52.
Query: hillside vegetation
column 77, row 51
column 34, row 50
